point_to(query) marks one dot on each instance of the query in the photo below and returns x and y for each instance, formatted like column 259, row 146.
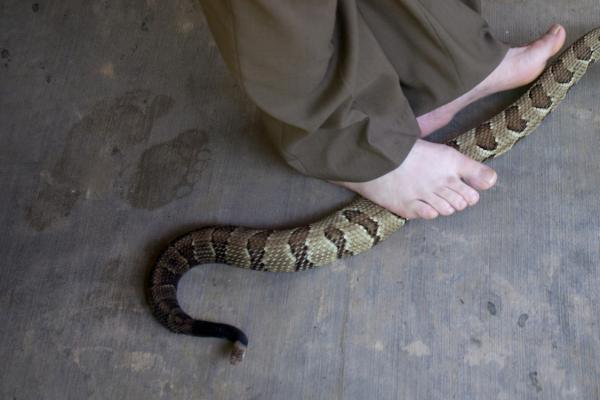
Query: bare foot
column 520, row 66
column 436, row 179
column 433, row 180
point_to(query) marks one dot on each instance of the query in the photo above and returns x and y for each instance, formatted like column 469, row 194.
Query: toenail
column 490, row 177
column 556, row 29
column 430, row 214
column 474, row 198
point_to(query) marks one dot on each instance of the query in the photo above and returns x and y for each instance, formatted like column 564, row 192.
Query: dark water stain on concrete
column 145, row 26
column 522, row 320
column 168, row 171
column 492, row 303
column 95, row 152
column 55, row 200
column 533, row 378
column 5, row 55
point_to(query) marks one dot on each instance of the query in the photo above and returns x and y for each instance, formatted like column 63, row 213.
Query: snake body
column 354, row 228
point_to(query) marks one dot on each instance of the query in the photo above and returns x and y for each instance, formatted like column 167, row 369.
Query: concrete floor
column 121, row 128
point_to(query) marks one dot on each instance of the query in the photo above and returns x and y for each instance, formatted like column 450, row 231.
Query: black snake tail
column 175, row 261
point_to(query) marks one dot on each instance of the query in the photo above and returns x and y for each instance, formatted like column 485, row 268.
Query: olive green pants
column 340, row 82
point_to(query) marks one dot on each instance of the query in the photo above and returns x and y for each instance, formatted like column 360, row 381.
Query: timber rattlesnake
column 354, row 228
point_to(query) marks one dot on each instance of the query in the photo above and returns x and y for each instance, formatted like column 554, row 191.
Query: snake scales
column 356, row 227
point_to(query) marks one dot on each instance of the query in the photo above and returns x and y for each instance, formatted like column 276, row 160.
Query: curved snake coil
column 356, row 227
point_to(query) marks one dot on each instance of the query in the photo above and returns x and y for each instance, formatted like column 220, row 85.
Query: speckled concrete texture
column 121, row 128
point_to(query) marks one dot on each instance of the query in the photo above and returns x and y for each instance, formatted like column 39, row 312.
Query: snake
column 357, row 226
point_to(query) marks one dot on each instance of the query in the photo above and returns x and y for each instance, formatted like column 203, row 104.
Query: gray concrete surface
column 121, row 128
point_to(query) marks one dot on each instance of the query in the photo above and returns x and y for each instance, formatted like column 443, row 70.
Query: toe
column 439, row 204
column 457, row 201
column 556, row 38
column 470, row 195
column 478, row 175
column 551, row 42
column 424, row 210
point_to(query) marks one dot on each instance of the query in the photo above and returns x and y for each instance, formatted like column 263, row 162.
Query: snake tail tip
column 237, row 353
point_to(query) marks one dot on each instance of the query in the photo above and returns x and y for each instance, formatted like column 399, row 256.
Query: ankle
column 436, row 119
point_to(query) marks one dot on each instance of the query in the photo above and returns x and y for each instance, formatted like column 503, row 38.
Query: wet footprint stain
column 96, row 150
column 168, row 171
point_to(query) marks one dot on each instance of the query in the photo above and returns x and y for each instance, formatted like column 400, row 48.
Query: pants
column 340, row 82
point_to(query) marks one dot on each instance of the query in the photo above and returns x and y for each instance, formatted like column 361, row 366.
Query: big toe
column 549, row 44
column 479, row 176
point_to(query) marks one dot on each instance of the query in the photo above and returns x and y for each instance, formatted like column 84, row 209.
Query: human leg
column 435, row 180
